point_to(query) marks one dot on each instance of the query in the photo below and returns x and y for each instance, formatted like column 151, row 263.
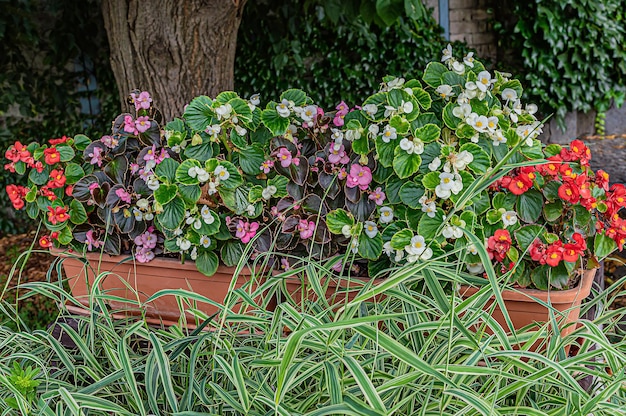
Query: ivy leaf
column 207, row 263
column 405, row 164
column 199, row 113
column 370, row 248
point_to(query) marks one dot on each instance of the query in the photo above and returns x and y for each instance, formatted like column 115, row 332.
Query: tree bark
column 175, row 49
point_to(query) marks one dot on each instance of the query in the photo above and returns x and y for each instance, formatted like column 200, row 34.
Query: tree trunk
column 175, row 49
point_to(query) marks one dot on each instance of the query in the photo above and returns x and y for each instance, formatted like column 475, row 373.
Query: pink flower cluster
column 360, row 176
column 246, row 231
column 141, row 125
column 141, row 100
column 286, row 159
column 342, row 110
column 306, row 229
column 338, row 154
column 92, row 241
column 145, row 243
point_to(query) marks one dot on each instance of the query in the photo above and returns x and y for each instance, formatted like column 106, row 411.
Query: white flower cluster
column 142, row 211
column 220, row 174
column 415, row 250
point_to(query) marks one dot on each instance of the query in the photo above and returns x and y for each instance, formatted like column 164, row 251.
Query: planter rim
column 165, row 262
column 553, row 296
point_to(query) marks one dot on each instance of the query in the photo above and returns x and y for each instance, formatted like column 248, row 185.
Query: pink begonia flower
column 142, row 100
column 306, row 229
column 123, row 195
column 296, row 161
column 142, row 124
column 96, row 156
column 144, row 255
column 378, row 196
column 360, row 176
column 284, row 156
column 284, row 264
column 134, row 168
column 129, row 125
column 342, row 110
column 246, row 231
column 266, row 166
column 338, row 267
column 338, row 155
column 277, row 214
column 146, row 239
column 109, row 141
column 342, row 174
column 92, row 243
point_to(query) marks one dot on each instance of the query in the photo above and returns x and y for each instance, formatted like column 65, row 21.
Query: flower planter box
column 128, row 279
column 524, row 310
column 338, row 292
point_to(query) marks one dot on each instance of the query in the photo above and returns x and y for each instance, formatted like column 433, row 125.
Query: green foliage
column 335, row 50
column 573, row 53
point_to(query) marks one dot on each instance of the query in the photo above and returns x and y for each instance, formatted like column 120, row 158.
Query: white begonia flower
column 463, row 98
column 205, row 211
column 449, row 184
column 143, row 204
column 462, row 111
column 458, row 68
column 479, row 123
column 469, row 59
column 471, row 90
column 475, row 137
column 203, row 175
column 509, row 94
column 337, row 135
column 268, row 192
column 197, row 224
column 395, row 83
column 214, row 130
column 492, row 123
column 498, row 137
column 461, row 160
column 417, row 246
column 283, row 109
column 183, row 243
column 428, row 207
column 209, row 219
column 193, row 171
column 178, row 231
column 370, row 229
column 509, row 218
column 213, row 187
column 475, row 268
column 399, row 255
column 372, row 131
column 221, row 173
column 250, row 209
column 386, row 215
column 354, row 245
column 472, row 249
column 352, row 135
column 389, row 133
column 406, row 107
column 387, row 249
column 408, row 90
column 452, row 231
column 194, row 253
column 148, row 216
column 241, row 131
column 407, row 145
column 346, row 230
column 137, row 214
column 309, row 113
column 446, row 54
column 435, row 164
column 255, row 99
column 529, row 131
column 390, row 110
column 205, row 241
column 484, row 81
column 223, row 111
column 153, row 183
column 445, row 91
column 189, row 219
column 531, row 108
column 370, row 109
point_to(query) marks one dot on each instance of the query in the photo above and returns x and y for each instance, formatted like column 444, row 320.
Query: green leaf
column 385, row 151
column 422, row 97
column 201, row 152
column 410, row 193
column 529, row 205
column 401, row 239
column 165, row 193
column 451, row 121
column 481, row 161
column 380, row 100
column 241, row 110
column 166, row 170
column 280, row 182
column 78, row 215
column 209, row 229
column 526, row 235
column 433, row 74
column 73, row 172
column 559, row 276
column 207, row 263
column 400, row 124
column 190, row 193
column 429, row 227
column 428, row 133
column 274, row 122
column 370, row 248
column 405, row 164
column 255, row 194
column 172, row 215
column 337, row 219
column 199, row 113
column 251, row 158
column 539, row 277
column 361, row 146
column 182, row 172
column 392, row 190
column 39, row 178
column 493, row 216
column 231, row 253
column 553, row 210
column 298, row 97
column 603, row 246
column 66, row 152
column 81, row 142
column 235, row 199
column 431, row 180
column 235, row 179
column 65, row 235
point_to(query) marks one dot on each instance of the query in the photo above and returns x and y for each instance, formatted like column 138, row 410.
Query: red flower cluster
column 499, row 244
column 57, row 215
column 553, row 254
column 46, row 240
column 19, row 153
column 16, row 195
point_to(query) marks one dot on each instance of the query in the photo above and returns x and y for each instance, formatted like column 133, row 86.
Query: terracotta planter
column 338, row 292
column 146, row 279
column 524, row 310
